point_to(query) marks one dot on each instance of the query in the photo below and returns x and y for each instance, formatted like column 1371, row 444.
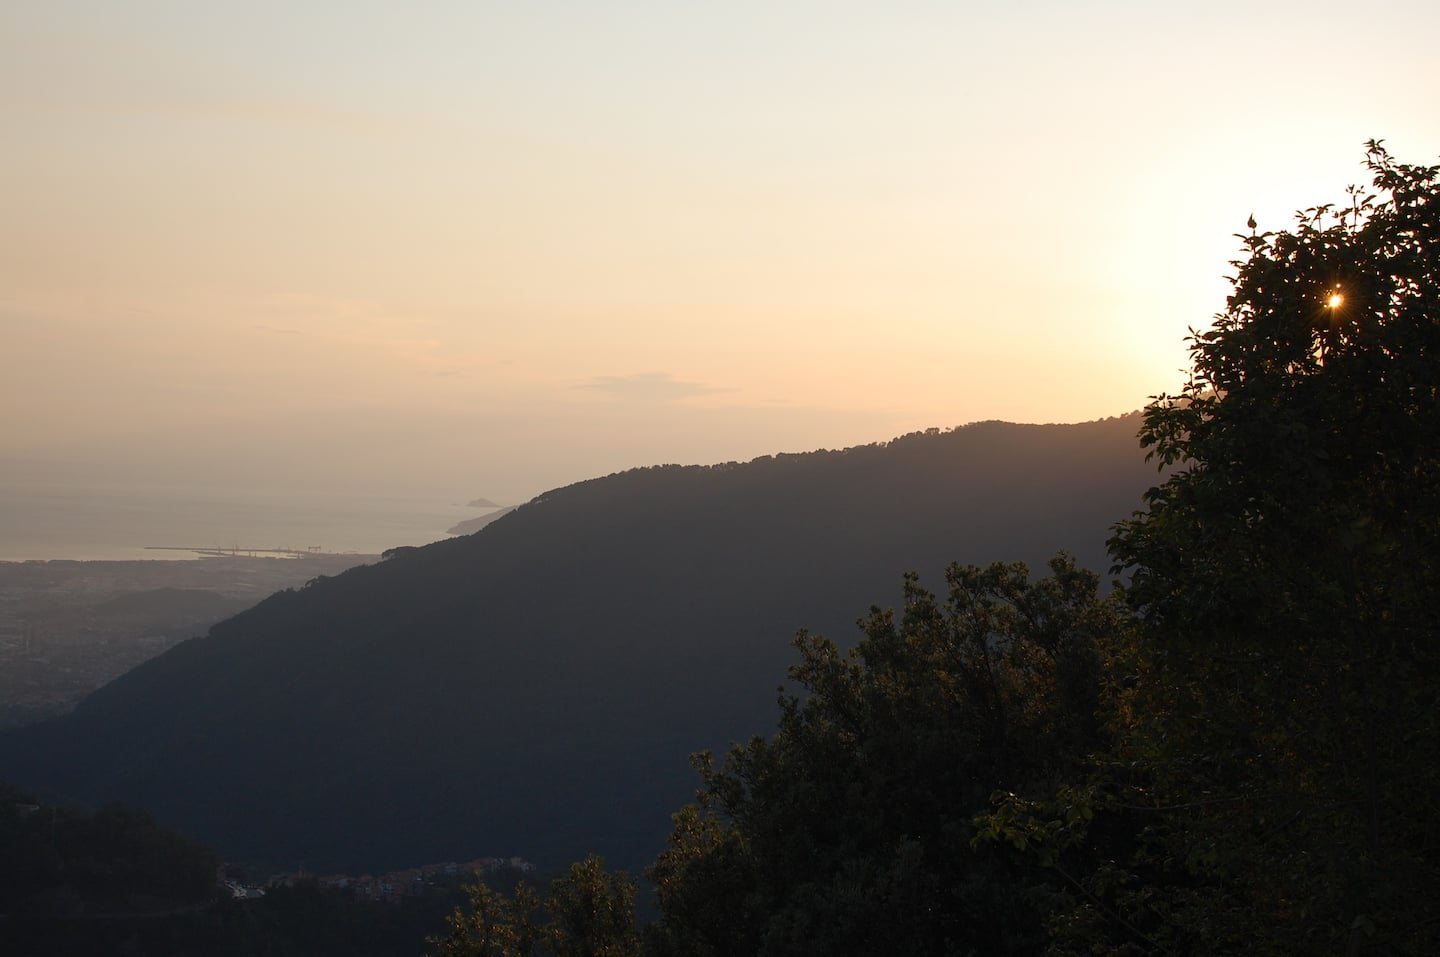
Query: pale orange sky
column 484, row 248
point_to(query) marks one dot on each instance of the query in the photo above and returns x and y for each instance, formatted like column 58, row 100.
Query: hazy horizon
column 130, row 522
column 471, row 249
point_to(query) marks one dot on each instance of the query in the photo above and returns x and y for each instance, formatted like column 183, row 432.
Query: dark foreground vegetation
column 1237, row 751
column 111, row 881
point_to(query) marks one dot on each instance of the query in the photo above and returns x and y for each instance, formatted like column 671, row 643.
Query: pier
column 235, row 551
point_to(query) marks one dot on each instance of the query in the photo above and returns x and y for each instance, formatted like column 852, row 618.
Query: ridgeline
column 536, row 688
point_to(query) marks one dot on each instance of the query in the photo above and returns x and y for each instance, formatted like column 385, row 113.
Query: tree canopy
column 1284, row 574
column 1276, row 757
column 850, row 830
column 590, row 912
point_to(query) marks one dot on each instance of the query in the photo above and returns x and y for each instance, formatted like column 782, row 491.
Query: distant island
column 475, row 524
column 482, row 503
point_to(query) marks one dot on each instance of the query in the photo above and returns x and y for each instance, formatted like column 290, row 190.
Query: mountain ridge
column 535, row 688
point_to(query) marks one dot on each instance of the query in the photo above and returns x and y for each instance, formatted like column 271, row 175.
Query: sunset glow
column 491, row 249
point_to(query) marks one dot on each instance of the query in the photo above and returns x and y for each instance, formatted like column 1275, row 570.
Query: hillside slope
column 536, row 688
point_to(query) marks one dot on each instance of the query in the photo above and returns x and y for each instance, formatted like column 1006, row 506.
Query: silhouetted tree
column 850, row 829
column 590, row 911
column 1276, row 783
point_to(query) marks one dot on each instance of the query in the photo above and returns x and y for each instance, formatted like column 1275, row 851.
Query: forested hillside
column 537, row 687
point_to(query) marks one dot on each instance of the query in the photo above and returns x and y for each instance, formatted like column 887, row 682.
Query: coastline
column 108, row 523
column 68, row 626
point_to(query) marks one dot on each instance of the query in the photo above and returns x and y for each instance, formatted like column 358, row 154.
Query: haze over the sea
column 127, row 522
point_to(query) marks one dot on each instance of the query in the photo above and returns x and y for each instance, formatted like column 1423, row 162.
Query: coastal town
column 68, row 627
column 391, row 886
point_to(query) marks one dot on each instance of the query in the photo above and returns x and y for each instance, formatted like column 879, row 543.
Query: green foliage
column 591, row 913
column 493, row 925
column 850, row 830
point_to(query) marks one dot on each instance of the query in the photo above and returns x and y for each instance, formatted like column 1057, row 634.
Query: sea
column 99, row 522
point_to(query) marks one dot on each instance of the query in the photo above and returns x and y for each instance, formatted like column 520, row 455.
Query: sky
column 477, row 248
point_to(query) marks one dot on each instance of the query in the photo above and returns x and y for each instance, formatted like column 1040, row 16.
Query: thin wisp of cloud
column 650, row 387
